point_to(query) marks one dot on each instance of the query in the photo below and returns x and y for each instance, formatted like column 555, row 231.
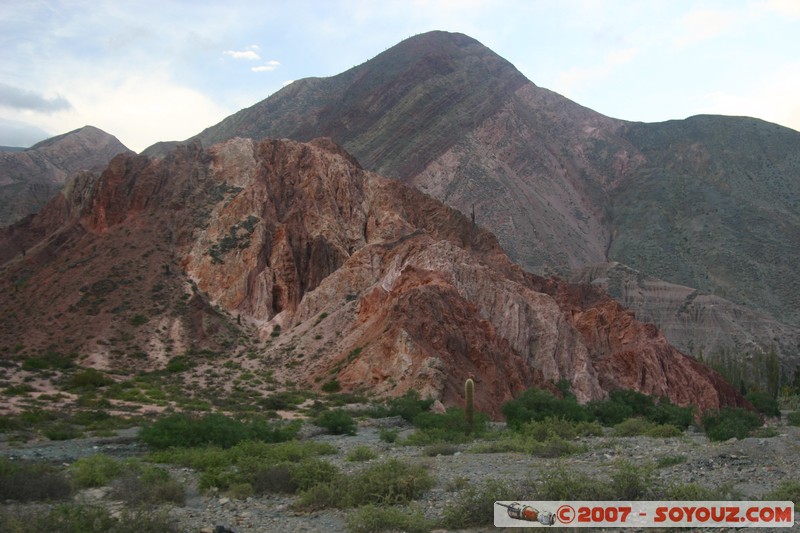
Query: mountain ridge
column 320, row 270
column 31, row 176
column 562, row 186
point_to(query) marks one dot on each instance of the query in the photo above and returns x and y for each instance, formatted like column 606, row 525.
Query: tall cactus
column 469, row 405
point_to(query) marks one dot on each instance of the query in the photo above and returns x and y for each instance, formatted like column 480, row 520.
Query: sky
column 148, row 71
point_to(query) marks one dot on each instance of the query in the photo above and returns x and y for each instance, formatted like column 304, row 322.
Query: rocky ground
column 747, row 468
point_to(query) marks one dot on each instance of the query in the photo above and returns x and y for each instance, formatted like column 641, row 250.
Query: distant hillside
column 30, row 177
column 318, row 270
column 709, row 202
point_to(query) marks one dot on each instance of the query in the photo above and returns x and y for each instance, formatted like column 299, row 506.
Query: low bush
column 566, row 484
column 290, row 478
column 223, row 468
column 440, row 448
column 331, row 386
column 538, row 404
column 94, row 471
column 81, row 518
column 623, row 404
column 793, row 418
column 361, row 453
column 180, row 430
column 663, row 431
column 689, row 492
column 148, row 485
column 474, row 506
column 450, row 426
column 32, row 482
column 387, row 483
column 388, row 435
column 632, row 482
column 788, row 490
column 408, row 406
column 729, row 422
column 371, row 518
column 670, row 460
column 632, row 427
column 764, row 402
column 87, row 379
column 337, row 422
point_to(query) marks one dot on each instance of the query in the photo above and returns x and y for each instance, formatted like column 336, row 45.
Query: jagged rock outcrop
column 709, row 202
column 340, row 273
column 29, row 178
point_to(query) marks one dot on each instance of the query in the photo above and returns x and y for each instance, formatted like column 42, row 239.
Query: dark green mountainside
column 716, row 206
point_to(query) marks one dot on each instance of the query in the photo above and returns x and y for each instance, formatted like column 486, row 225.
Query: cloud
column 250, row 53
column 22, row 99
column 269, row 66
column 704, row 24
column 576, row 76
column 789, row 8
column 22, row 134
column 773, row 99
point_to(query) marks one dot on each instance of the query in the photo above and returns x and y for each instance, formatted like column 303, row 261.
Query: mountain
column 711, row 203
column 318, row 270
column 30, row 177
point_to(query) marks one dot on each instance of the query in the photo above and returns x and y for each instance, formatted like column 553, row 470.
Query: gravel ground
column 751, row 467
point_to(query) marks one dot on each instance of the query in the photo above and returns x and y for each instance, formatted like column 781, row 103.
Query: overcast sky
column 147, row 70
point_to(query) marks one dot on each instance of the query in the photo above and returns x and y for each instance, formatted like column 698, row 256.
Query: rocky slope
column 695, row 322
column 711, row 203
column 320, row 266
column 30, row 177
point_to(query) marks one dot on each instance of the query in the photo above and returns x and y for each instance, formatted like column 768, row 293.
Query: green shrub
column 670, row 460
column 49, row 360
column 32, row 482
column 331, row 386
column 337, row 422
column 729, row 422
column 788, row 490
column 139, row 320
column 631, row 482
column 556, row 447
column 764, row 402
column 623, row 404
column 440, row 448
column 180, row 430
column 450, row 426
column 179, row 363
column 81, row 518
column 663, row 431
column 408, row 406
column 474, row 506
column 386, row 483
column 361, row 453
column 87, row 379
column 632, row 427
column 388, row 435
column 538, row 404
column 94, row 471
column 666, row 412
column 793, row 418
column 62, row 431
column 149, row 485
column 371, row 518
column 565, row 484
column 690, row 492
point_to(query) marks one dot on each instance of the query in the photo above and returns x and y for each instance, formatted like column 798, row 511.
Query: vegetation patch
column 181, row 430
column 27, row 482
column 729, row 423
column 370, row 518
column 387, row 483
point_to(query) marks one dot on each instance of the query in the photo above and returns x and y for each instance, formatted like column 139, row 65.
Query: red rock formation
column 371, row 282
